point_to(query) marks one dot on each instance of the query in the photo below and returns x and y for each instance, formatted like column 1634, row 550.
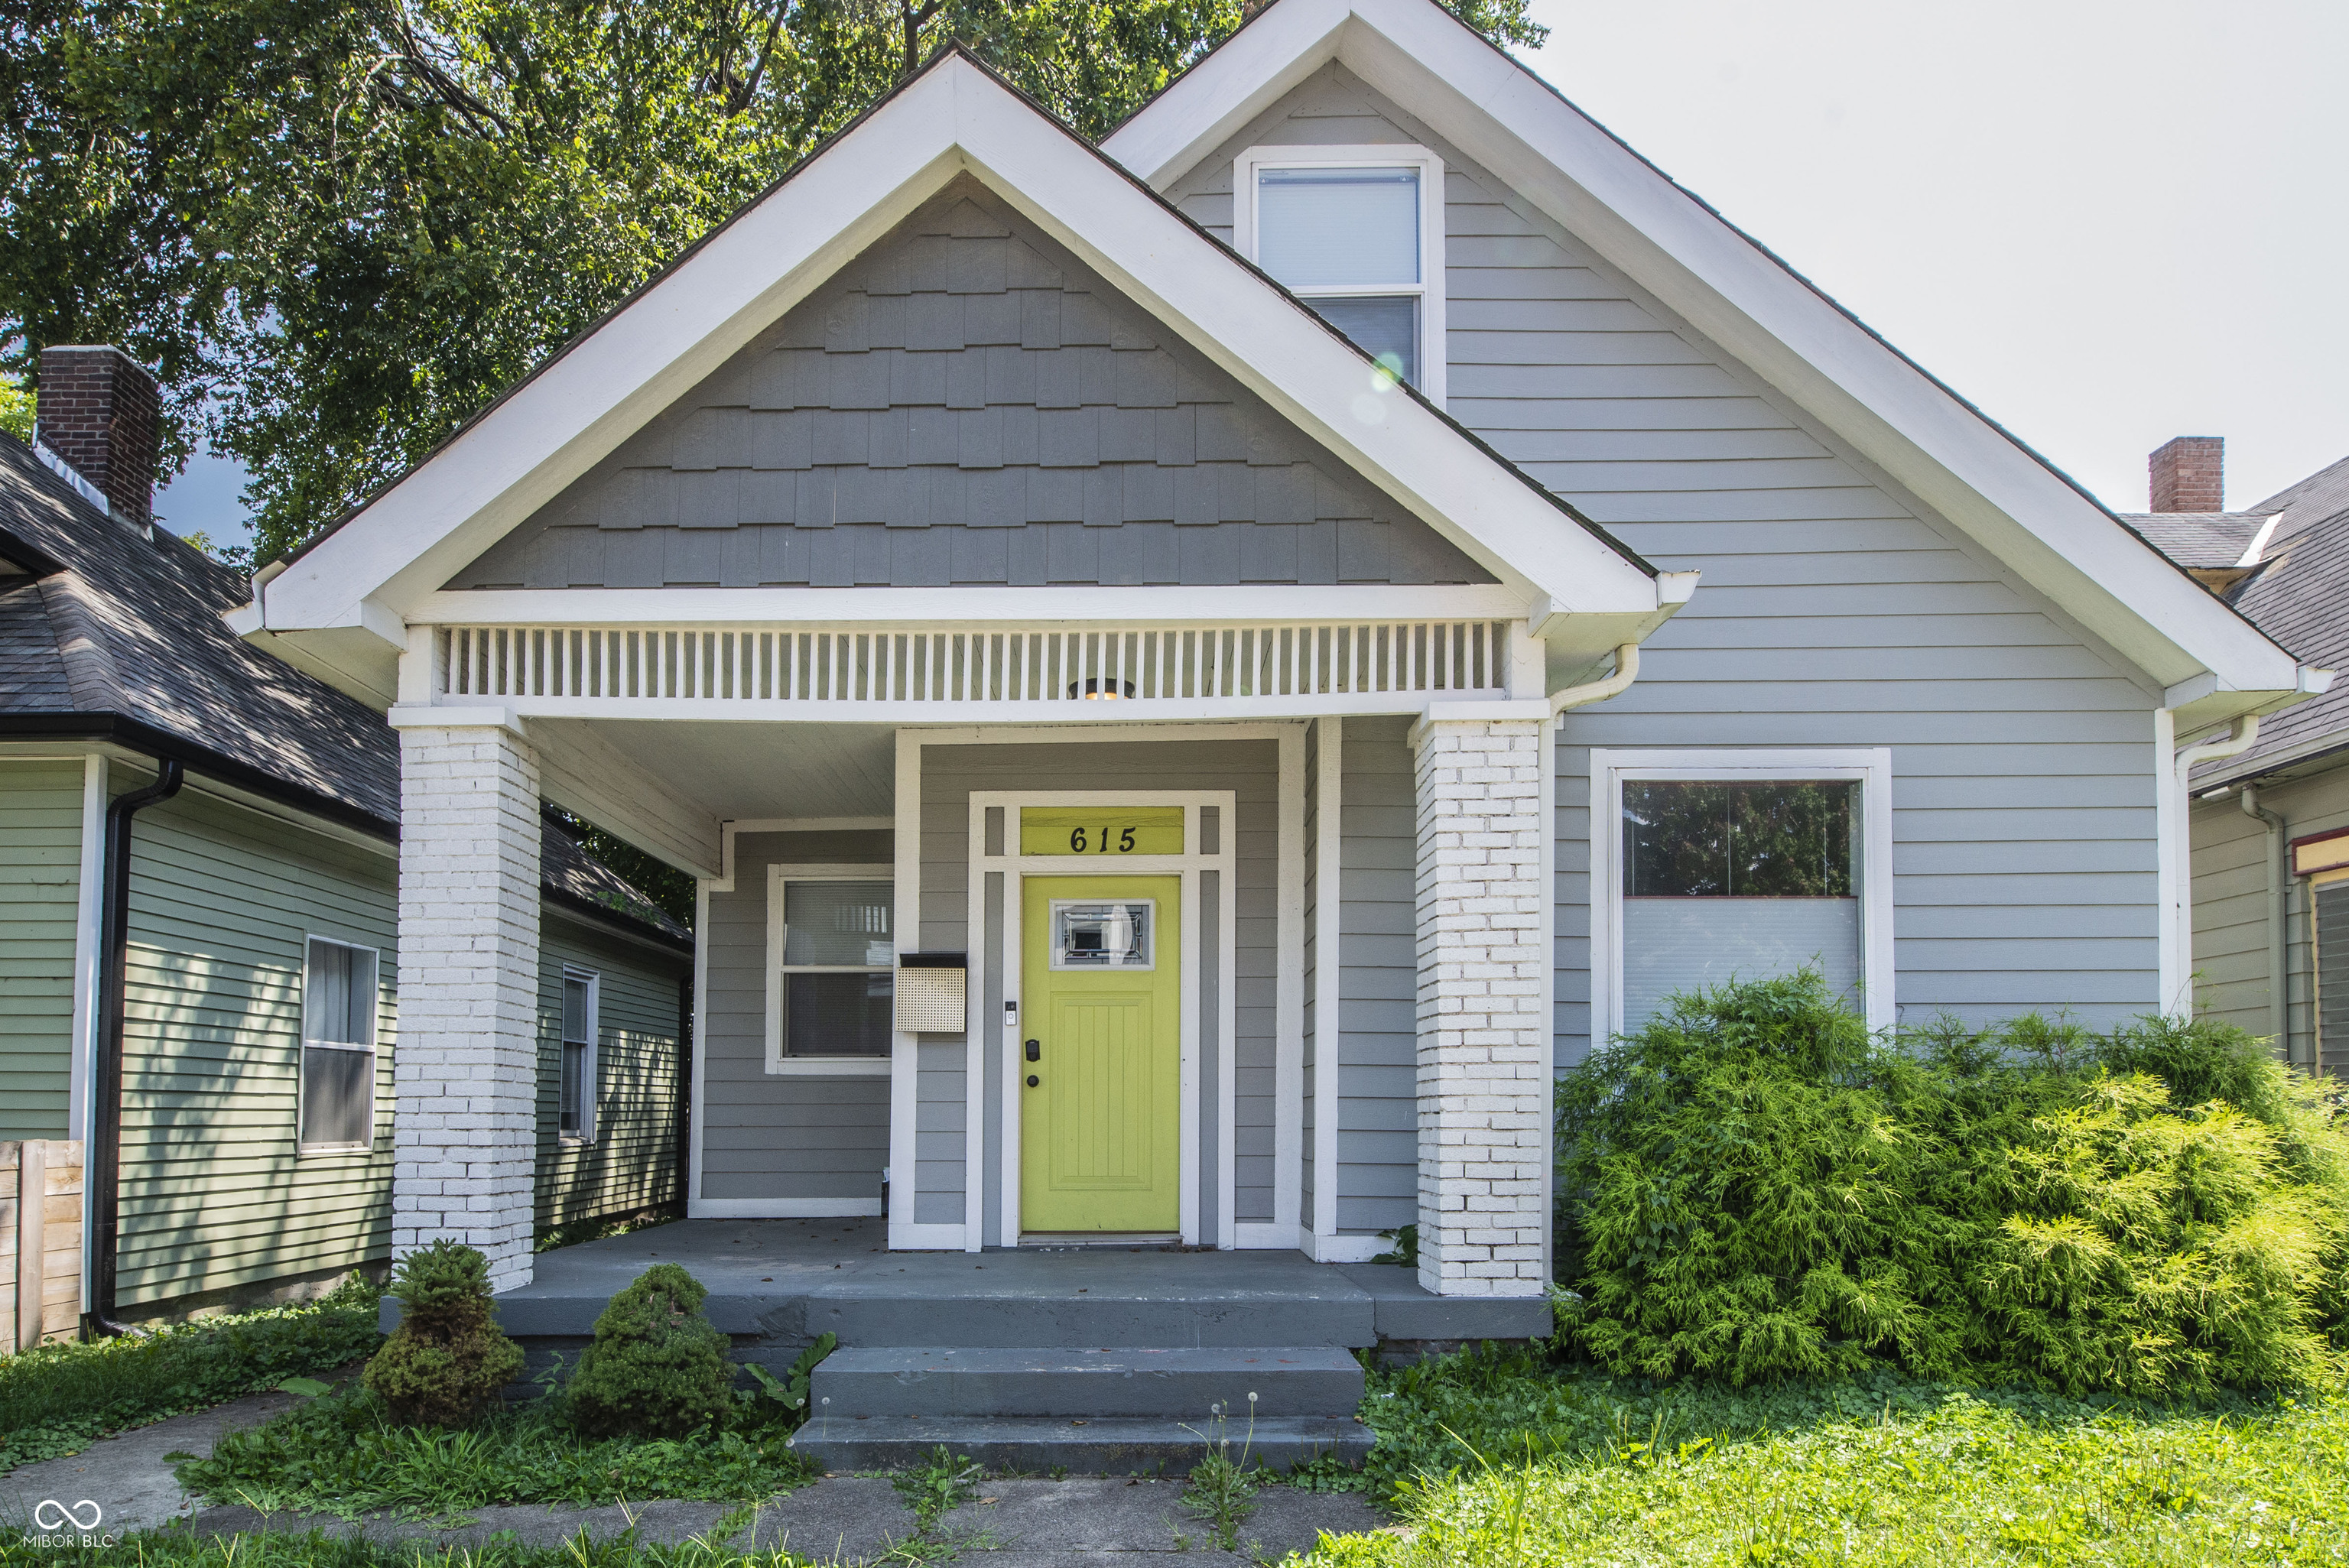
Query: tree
column 337, row 227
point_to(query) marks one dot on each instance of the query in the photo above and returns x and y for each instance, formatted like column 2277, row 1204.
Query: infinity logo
column 51, row 1514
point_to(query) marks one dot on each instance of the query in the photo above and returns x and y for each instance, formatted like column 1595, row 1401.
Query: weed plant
column 935, row 1488
column 57, row 1400
column 1220, row 1491
column 1756, row 1187
column 345, row 1455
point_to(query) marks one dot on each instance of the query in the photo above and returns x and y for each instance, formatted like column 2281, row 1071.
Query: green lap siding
column 40, row 895
column 214, row 1193
column 632, row 1161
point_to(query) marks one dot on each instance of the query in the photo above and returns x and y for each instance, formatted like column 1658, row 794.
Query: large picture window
column 1356, row 233
column 1718, row 870
column 576, row 1116
column 832, row 987
column 335, row 1100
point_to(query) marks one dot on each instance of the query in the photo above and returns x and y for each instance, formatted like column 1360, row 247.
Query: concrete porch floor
column 784, row 1282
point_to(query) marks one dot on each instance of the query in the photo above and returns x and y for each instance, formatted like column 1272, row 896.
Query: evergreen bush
column 448, row 1358
column 657, row 1368
column 1755, row 1186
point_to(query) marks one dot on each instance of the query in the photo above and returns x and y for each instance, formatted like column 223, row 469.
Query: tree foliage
column 337, row 227
column 1755, row 1186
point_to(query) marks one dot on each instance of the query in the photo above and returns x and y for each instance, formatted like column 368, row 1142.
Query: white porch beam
column 945, row 609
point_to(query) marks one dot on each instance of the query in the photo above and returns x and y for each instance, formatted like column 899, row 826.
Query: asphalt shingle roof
column 2197, row 538
column 2299, row 597
column 100, row 619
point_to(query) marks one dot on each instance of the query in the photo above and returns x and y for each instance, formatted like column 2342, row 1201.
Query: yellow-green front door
column 1101, row 1114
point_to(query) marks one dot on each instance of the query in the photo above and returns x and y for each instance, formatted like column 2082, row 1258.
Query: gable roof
column 953, row 116
column 108, row 633
column 1743, row 298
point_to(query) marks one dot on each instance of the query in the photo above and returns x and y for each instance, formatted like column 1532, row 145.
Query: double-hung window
column 335, row 1100
column 1357, row 234
column 832, row 968
column 1710, row 866
column 575, row 1119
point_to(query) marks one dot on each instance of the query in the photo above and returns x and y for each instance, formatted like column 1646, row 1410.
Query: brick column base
column 466, row 1064
column 1484, row 1094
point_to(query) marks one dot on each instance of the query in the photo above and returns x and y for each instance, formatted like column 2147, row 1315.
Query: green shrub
column 657, row 1368
column 1756, row 1187
column 448, row 1358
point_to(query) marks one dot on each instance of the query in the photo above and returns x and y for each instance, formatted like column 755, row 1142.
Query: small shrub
column 657, row 1368
column 448, row 1358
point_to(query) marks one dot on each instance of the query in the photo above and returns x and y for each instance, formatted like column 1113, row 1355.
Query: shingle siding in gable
column 968, row 404
column 1832, row 612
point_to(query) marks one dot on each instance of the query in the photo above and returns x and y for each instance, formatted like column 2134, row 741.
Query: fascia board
column 956, row 116
column 941, row 608
column 1740, row 297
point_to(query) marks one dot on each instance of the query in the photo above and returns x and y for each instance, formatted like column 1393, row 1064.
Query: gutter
column 102, row 1177
column 136, row 735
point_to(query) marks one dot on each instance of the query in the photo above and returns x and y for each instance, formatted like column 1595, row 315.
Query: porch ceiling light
column 1098, row 689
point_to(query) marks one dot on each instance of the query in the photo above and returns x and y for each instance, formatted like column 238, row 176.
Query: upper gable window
column 1357, row 234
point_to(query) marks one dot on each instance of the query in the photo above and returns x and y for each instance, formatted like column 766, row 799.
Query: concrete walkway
column 127, row 1477
column 1070, row 1524
column 1080, row 1523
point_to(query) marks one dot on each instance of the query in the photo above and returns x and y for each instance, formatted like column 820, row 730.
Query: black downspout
column 684, row 1091
column 103, row 1167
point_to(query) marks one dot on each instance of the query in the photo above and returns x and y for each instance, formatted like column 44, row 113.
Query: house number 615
column 1079, row 845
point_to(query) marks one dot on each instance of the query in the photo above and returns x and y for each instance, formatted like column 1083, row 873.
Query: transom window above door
column 1357, row 234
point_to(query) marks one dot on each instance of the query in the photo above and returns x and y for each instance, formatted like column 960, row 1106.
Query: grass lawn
column 1552, row 1467
column 57, row 1400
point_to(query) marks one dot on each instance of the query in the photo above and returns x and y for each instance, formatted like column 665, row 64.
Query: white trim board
column 782, row 1208
column 953, row 117
column 1505, row 118
column 1871, row 766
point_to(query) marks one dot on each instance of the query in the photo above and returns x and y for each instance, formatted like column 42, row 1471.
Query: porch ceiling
column 737, row 771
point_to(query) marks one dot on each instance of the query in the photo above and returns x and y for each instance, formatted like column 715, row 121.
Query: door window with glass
column 1350, row 236
column 1746, row 879
column 336, row 1098
column 577, row 1114
column 839, row 962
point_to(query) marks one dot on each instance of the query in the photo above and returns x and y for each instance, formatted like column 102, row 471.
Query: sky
column 2106, row 223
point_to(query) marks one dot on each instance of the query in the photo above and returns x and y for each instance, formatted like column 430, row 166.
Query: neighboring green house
column 261, row 970
column 2271, row 819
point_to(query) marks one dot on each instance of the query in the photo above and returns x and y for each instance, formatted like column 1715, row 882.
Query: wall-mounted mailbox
column 931, row 993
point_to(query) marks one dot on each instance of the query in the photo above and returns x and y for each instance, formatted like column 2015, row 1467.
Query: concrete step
column 1110, row 1445
column 1087, row 1305
column 1183, row 1383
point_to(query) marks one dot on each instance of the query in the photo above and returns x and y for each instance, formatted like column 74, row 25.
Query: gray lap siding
column 1834, row 610
column 767, row 1137
column 40, row 900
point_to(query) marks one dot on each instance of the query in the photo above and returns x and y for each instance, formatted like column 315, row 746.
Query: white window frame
column 1871, row 768
column 306, row 1045
column 1431, row 289
column 778, row 1063
column 591, row 1081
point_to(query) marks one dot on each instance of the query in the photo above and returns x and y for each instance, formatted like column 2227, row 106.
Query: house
column 1192, row 673
column 2271, row 820
column 230, row 978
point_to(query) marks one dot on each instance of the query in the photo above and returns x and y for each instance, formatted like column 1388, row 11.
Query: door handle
column 1035, row 1051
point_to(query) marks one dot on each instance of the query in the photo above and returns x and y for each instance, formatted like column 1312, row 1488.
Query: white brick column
column 467, row 1058
column 1484, row 1090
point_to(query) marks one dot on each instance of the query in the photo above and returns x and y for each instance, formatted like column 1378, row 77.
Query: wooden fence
column 40, row 1241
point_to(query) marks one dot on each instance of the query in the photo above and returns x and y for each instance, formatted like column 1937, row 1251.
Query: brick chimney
column 99, row 411
column 2188, row 474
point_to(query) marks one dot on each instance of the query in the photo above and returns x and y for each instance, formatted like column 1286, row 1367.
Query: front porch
column 1097, row 1358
